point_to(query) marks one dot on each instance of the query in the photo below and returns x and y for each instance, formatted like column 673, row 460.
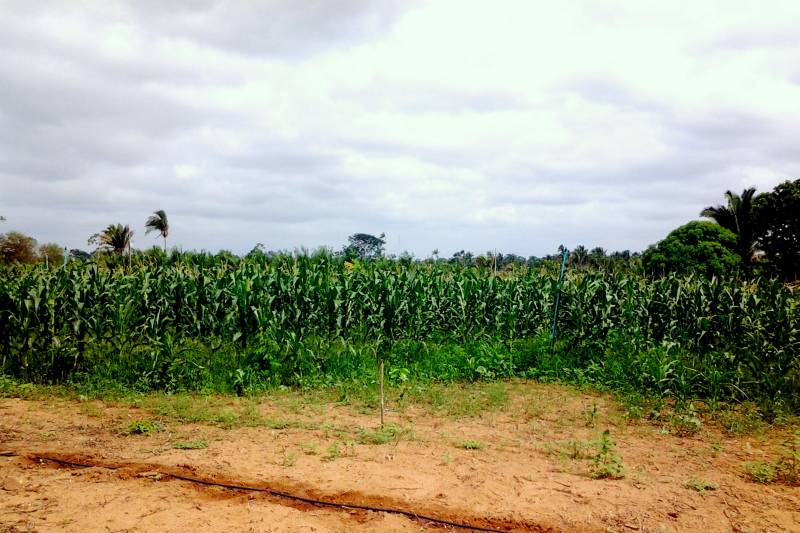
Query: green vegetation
column 699, row 318
column 606, row 462
column 471, row 444
column 259, row 323
column 702, row 248
column 142, row 427
column 198, row 444
column 700, row 485
column 385, row 435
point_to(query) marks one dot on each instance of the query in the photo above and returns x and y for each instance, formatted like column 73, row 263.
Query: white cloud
column 448, row 124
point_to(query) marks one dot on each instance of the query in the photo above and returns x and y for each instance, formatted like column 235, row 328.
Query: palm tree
column 158, row 222
column 739, row 217
column 579, row 256
column 115, row 237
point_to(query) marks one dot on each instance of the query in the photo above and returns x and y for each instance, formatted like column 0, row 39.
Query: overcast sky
column 454, row 125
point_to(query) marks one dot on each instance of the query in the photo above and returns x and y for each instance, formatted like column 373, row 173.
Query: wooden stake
column 381, row 381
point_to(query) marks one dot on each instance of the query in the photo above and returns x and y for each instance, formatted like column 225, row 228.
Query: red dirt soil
column 524, row 478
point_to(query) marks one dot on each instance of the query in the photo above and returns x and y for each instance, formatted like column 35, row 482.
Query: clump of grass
column 700, row 485
column 289, row 460
column 760, row 471
column 570, row 449
column 309, row 448
column 687, row 423
column 785, row 470
column 386, row 434
column 606, row 463
column 741, row 420
column 334, row 452
column 142, row 427
column 590, row 416
column 198, row 444
column 471, row 444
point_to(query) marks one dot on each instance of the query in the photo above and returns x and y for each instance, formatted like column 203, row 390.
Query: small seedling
column 700, row 485
column 471, row 445
column 590, row 416
column 198, row 444
column 334, row 452
column 606, row 463
column 446, row 459
column 289, row 460
column 309, row 448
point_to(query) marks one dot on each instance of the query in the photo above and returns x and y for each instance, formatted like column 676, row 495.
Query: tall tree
column 365, row 246
column 115, row 237
column 17, row 247
column 699, row 247
column 579, row 256
column 778, row 222
column 738, row 216
column 158, row 222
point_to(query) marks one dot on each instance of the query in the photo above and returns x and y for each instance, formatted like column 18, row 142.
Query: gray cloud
column 296, row 124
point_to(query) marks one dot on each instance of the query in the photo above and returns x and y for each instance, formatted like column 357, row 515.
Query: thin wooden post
column 381, row 382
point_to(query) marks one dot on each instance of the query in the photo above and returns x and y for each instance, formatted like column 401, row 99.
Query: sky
column 450, row 124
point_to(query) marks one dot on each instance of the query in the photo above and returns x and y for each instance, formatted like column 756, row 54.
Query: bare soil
column 530, row 470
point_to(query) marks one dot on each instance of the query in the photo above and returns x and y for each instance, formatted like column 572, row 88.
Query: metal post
column 554, row 332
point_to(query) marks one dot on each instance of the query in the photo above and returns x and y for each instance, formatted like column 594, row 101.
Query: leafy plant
column 142, row 427
column 606, row 463
column 471, row 444
column 700, row 485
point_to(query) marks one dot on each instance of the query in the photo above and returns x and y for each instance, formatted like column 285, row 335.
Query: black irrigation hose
column 276, row 493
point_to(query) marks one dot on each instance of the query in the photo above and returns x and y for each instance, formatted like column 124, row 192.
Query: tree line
column 750, row 234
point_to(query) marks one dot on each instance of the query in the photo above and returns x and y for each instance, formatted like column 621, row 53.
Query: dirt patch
column 526, row 468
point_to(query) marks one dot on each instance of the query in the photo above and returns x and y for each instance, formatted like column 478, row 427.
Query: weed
column 309, row 448
column 788, row 466
column 570, row 449
column 289, row 460
column 742, row 420
column 590, row 416
column 688, row 423
column 334, row 452
column 760, row 471
column 606, row 463
column 91, row 409
column 471, row 445
column 198, row 444
column 384, row 435
column 446, row 459
column 142, row 427
column 700, row 485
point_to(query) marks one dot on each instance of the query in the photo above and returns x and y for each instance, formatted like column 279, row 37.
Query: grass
column 142, row 427
column 573, row 449
column 471, row 445
column 334, row 452
column 198, row 444
column 700, row 485
column 760, row 471
column 389, row 433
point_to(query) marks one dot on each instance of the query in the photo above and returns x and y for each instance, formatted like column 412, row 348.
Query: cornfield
column 295, row 320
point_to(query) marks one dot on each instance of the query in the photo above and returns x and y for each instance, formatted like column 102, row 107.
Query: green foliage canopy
column 698, row 247
column 778, row 220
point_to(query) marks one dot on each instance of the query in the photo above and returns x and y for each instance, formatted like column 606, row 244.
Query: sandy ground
column 525, row 476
